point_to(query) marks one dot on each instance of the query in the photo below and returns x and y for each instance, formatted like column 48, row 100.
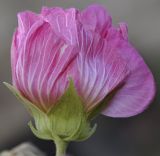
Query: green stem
column 61, row 147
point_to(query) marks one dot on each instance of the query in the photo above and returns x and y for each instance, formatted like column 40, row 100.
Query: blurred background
column 136, row 136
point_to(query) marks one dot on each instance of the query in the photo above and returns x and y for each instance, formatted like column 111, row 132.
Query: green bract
column 67, row 120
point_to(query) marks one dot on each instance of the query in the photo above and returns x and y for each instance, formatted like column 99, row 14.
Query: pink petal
column 100, row 69
column 26, row 20
column 96, row 18
column 63, row 22
column 43, row 60
column 123, row 30
column 139, row 87
column 14, row 57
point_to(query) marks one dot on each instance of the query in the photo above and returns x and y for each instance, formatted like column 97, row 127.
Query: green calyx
column 66, row 121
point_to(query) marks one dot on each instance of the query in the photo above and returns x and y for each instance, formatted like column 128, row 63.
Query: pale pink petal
column 63, row 22
column 96, row 18
column 26, row 20
column 139, row 88
column 14, row 57
column 45, row 58
column 123, row 29
column 46, row 11
column 100, row 69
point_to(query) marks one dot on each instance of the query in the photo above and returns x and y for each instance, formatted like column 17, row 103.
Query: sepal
column 66, row 120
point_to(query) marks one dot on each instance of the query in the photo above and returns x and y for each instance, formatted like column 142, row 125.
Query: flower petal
column 25, row 20
column 63, row 22
column 139, row 88
column 96, row 18
column 44, row 59
column 100, row 69
column 14, row 57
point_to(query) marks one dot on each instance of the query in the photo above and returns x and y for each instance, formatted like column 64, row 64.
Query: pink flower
column 56, row 44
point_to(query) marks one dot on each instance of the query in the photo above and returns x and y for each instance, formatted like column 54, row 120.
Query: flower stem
column 61, row 147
